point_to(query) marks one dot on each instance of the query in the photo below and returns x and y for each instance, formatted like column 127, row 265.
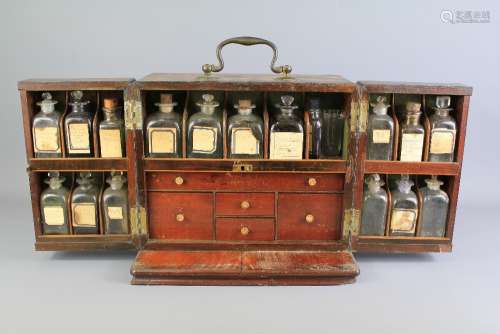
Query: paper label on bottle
column 442, row 141
column 46, row 140
column 204, row 139
column 286, row 145
column 381, row 136
column 84, row 214
column 111, row 143
column 244, row 142
column 115, row 212
column 404, row 220
column 162, row 140
column 53, row 215
column 412, row 145
column 79, row 141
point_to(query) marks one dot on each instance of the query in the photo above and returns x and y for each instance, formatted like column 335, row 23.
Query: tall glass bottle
column 112, row 130
column 404, row 209
column 78, row 127
column 205, row 130
column 435, row 204
column 115, row 206
column 46, row 133
column 84, row 205
column 443, row 131
column 245, row 132
column 374, row 211
column 316, row 136
column 332, row 134
column 286, row 132
column 164, row 130
column 412, row 134
column 380, row 132
column 54, row 206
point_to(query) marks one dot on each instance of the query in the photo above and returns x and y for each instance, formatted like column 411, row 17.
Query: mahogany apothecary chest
column 289, row 214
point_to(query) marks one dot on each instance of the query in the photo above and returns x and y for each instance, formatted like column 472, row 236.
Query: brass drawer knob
column 245, row 204
column 179, row 217
column 309, row 218
column 312, row 181
column 179, row 180
column 244, row 230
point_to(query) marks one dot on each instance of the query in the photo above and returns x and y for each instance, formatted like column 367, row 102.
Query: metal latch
column 241, row 167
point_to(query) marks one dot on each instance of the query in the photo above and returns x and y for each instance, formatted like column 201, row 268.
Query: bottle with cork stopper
column 411, row 145
column 111, row 130
column 245, row 132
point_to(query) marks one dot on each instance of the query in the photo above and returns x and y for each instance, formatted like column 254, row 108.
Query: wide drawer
column 232, row 181
column 245, row 229
column 244, row 204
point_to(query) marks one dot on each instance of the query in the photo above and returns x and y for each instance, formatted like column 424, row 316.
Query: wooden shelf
column 388, row 244
column 83, row 242
column 77, row 164
column 416, row 168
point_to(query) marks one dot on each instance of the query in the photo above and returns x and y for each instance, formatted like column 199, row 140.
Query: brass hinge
column 359, row 115
column 138, row 221
column 238, row 166
column 352, row 222
column 133, row 114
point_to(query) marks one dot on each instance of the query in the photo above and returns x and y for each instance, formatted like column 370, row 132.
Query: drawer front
column 229, row 181
column 185, row 216
column 244, row 204
column 245, row 229
column 309, row 216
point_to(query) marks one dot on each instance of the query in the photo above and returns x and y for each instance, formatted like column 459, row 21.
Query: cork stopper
column 110, row 103
column 166, row 98
column 245, row 104
column 413, row 107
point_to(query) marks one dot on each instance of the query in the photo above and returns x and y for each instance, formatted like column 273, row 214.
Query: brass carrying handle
column 246, row 41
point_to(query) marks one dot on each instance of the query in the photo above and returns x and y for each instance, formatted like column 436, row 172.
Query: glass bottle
column 434, row 209
column 404, row 210
column 443, row 131
column 205, row 130
column 84, row 205
column 115, row 206
column 163, row 130
column 112, row 130
column 412, row 134
column 286, row 132
column 78, row 127
column 245, row 132
column 333, row 133
column 54, row 206
column 46, row 133
column 315, row 137
column 380, row 132
column 374, row 211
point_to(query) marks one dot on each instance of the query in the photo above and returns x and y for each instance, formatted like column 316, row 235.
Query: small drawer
column 245, row 229
column 185, row 216
column 309, row 216
column 244, row 204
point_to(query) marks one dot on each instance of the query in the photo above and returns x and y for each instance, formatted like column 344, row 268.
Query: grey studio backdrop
column 387, row 40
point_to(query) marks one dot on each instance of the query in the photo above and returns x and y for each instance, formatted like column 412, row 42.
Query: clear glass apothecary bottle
column 315, row 136
column 54, row 206
column 204, row 137
column 111, row 130
column 404, row 208
column 333, row 133
column 374, row 210
column 245, row 133
column 380, row 132
column 286, row 132
column 412, row 134
column 46, row 131
column 435, row 204
column 164, row 130
column 443, row 131
column 78, row 127
column 84, row 205
column 115, row 205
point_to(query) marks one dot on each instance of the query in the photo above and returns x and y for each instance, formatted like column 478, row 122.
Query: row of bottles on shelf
column 405, row 208
column 60, row 206
column 381, row 134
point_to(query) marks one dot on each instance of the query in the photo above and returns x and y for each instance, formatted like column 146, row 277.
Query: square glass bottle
column 204, row 137
column 46, row 131
column 245, row 133
column 115, row 205
column 411, row 145
column 54, row 206
column 78, row 127
column 404, row 209
column 374, row 211
column 380, row 132
column 315, row 136
column 443, row 131
column 286, row 132
column 164, row 130
column 435, row 204
column 84, row 202
column 112, row 130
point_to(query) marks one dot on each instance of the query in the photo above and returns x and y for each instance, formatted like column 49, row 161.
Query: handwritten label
column 204, row 139
column 53, row 215
column 79, row 141
column 46, row 140
column 162, row 140
column 115, row 212
column 84, row 214
column 403, row 220
column 381, row 136
column 442, row 142
column 286, row 145
column 111, row 143
column 244, row 141
column 412, row 145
